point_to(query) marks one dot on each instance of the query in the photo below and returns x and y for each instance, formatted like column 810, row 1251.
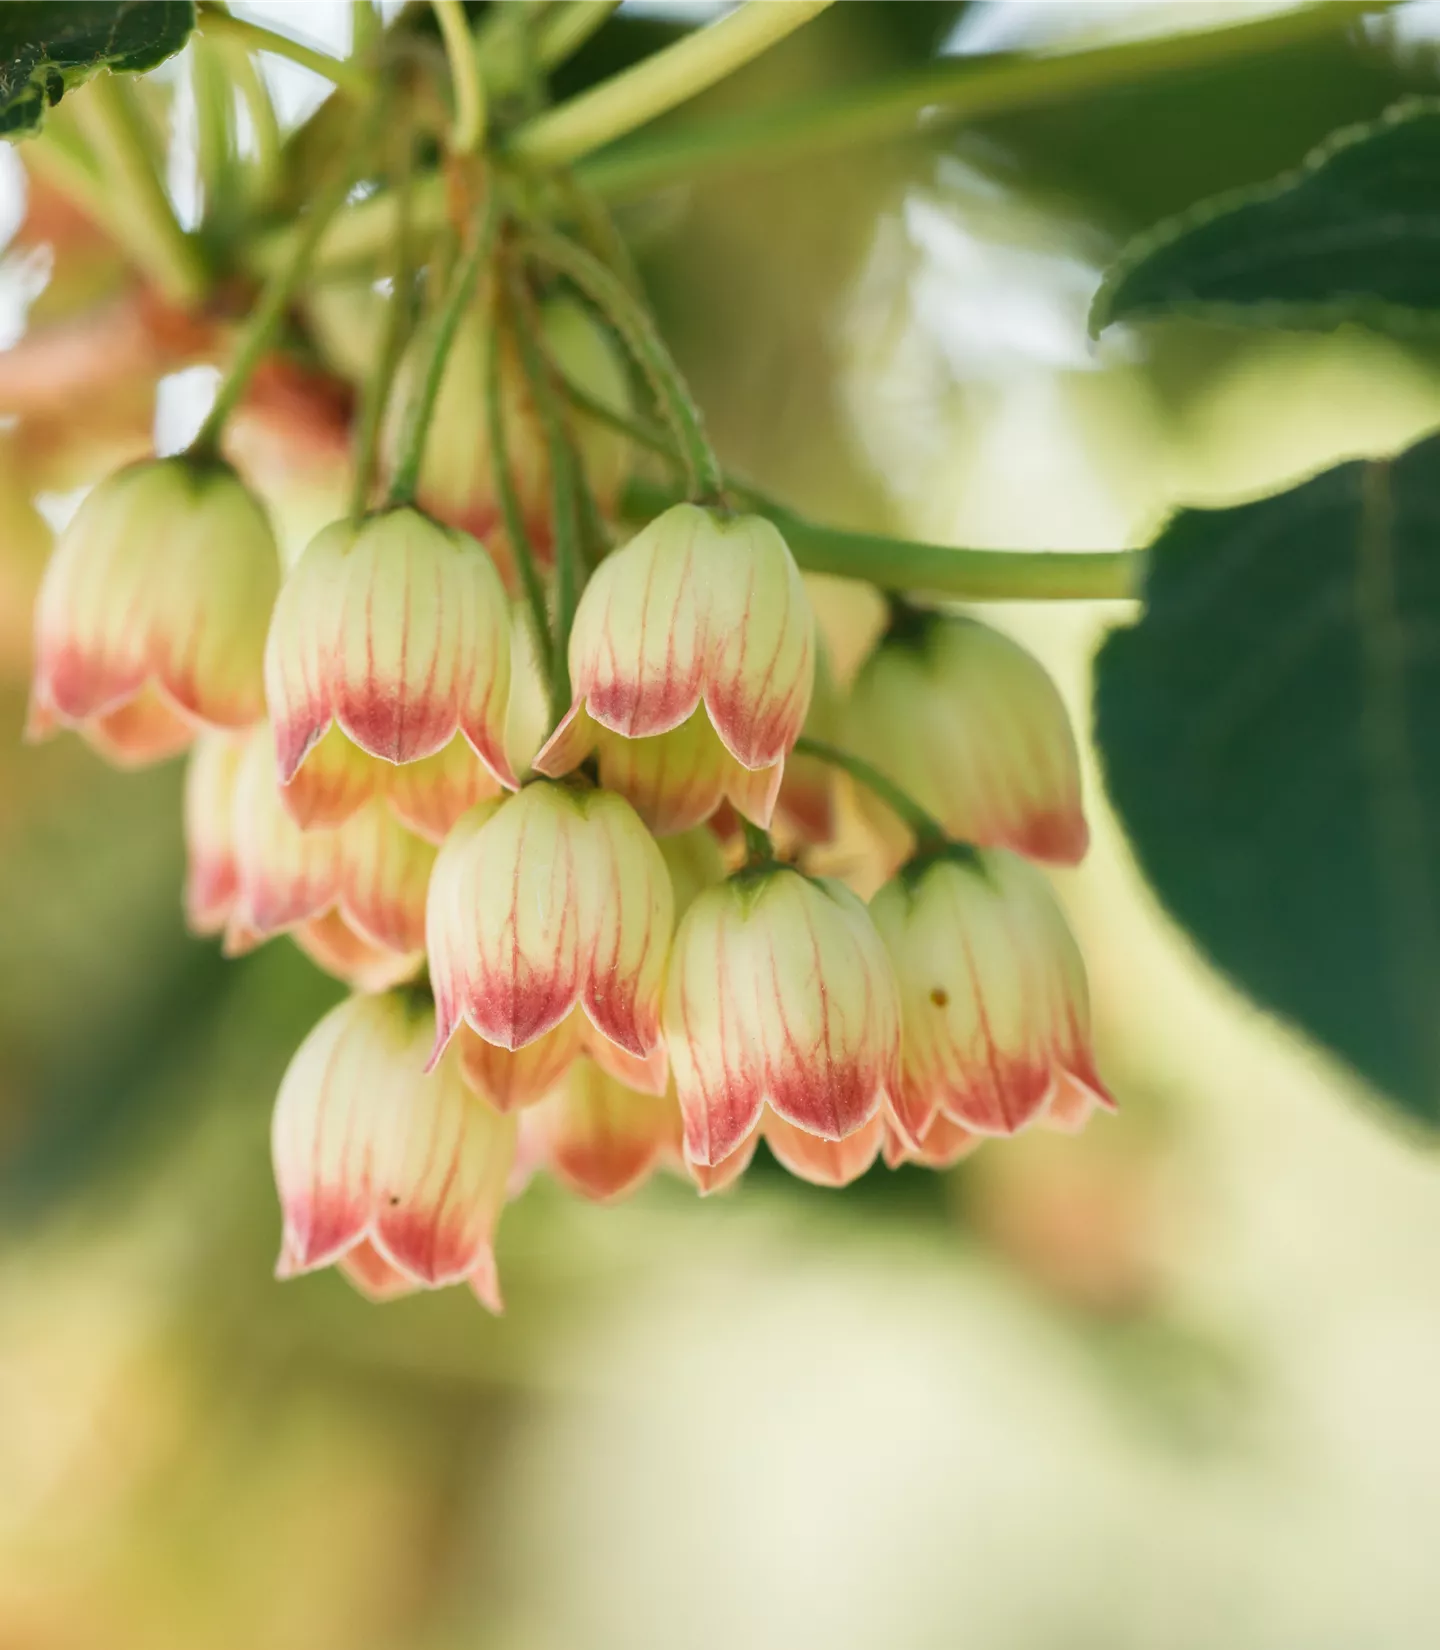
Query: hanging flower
column 390, row 640
column 396, row 1175
column 512, row 1078
column 993, row 994
column 211, row 879
column 369, row 877
column 599, row 1137
column 974, row 729
column 550, row 900
column 457, row 473
column 779, row 992
column 823, row 1162
column 152, row 613
column 697, row 616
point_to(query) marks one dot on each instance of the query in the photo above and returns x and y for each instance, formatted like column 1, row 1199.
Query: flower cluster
column 564, row 955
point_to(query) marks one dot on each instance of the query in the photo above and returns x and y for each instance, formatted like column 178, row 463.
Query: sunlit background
column 1170, row 1384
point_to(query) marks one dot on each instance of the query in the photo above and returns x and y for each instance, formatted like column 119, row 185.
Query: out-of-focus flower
column 368, row 877
column 599, row 1137
column 941, row 1146
column 396, row 631
column 823, row 1162
column 396, row 1175
column 993, row 994
column 291, row 438
column 696, row 617
column 152, row 613
column 457, row 473
column 971, row 725
column 807, row 792
column 210, row 875
column 552, row 899
column 779, row 992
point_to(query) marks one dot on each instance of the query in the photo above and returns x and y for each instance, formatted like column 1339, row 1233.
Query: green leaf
column 1352, row 235
column 47, row 48
column 1270, row 732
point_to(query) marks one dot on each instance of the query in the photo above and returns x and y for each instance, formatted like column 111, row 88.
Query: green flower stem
column 632, row 321
column 393, row 340
column 565, row 480
column 264, row 123
column 931, row 569
column 928, row 831
column 759, row 849
column 949, row 92
column 469, row 129
column 462, row 287
column 565, row 30
column 365, row 27
column 658, row 83
column 153, row 236
column 275, row 299
column 341, row 72
column 515, row 529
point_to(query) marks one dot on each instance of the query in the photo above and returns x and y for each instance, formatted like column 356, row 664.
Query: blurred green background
column 1172, row 1383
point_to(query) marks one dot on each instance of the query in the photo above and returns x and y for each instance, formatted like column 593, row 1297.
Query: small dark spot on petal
column 939, row 996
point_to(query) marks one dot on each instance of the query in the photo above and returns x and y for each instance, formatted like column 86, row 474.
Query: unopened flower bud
column 376, row 1159
column 397, row 631
column 697, row 616
column 551, row 899
column 993, row 994
column 971, row 725
column 152, row 613
column 779, row 992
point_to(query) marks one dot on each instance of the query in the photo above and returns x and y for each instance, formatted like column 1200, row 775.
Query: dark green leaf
column 1352, row 235
column 46, row 48
column 1270, row 731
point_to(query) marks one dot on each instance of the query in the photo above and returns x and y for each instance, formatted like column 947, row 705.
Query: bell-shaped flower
column 152, row 613
column 993, row 993
column 599, row 1137
column 511, row 1078
column 400, row 1172
column 396, row 632
column 779, row 992
column 698, row 615
column 370, row 872
column 457, row 471
column 971, row 725
column 553, row 899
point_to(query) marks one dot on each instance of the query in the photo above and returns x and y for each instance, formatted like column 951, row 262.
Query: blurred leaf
column 1270, row 731
column 47, row 49
column 1352, row 235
